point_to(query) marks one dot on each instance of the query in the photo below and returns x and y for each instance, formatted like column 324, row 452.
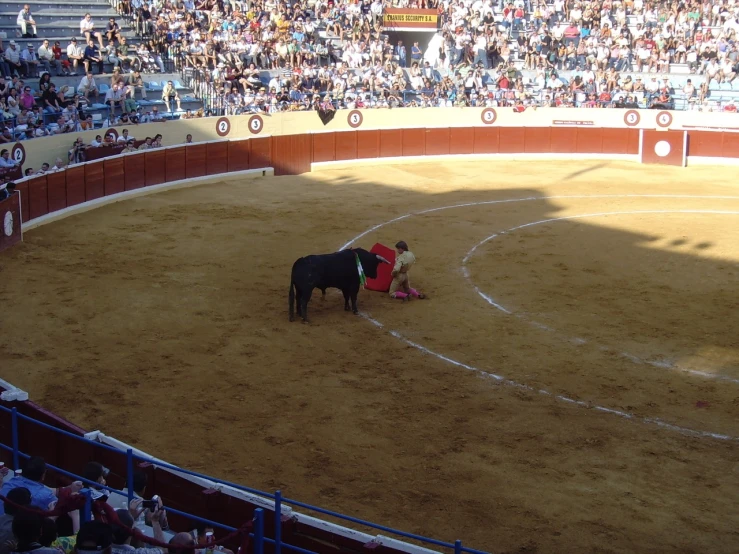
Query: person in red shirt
column 730, row 107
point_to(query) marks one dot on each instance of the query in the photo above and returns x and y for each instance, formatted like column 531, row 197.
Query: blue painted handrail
column 258, row 534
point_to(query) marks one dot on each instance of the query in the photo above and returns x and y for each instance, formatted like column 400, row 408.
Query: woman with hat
column 404, row 260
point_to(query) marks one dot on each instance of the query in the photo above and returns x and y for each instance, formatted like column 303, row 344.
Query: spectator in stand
column 113, row 30
column 75, row 55
column 97, row 473
column 136, row 81
column 114, row 97
column 47, row 58
column 28, row 530
column 13, row 59
column 42, row 497
column 26, row 22
column 88, row 86
column 122, row 538
column 76, row 154
column 29, row 58
column 50, row 100
column 87, row 29
column 6, row 161
column 93, row 55
column 4, row 193
column 19, row 495
column 170, row 96
column 94, row 536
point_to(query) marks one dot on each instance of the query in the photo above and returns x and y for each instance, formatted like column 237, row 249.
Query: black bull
column 338, row 270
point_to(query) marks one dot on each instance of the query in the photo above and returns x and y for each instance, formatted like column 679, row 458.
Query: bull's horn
column 383, row 260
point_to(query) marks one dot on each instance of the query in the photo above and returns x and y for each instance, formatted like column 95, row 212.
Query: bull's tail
column 291, row 300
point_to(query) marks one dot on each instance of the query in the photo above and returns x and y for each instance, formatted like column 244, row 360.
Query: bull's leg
column 353, row 292
column 299, row 302
column 305, row 298
column 346, row 300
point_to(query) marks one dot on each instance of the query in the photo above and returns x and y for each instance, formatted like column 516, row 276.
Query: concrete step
column 49, row 15
column 72, row 4
column 72, row 25
column 62, row 38
column 55, row 32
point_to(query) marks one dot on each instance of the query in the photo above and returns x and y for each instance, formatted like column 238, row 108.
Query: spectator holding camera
column 77, row 152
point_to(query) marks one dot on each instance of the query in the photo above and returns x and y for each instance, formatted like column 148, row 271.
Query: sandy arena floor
column 150, row 308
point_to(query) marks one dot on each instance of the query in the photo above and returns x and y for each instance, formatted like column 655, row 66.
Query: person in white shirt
column 124, row 137
column 46, row 57
column 75, row 54
column 25, row 21
column 87, row 28
column 88, row 86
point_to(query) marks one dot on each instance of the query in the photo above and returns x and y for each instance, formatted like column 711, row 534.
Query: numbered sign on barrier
column 354, row 119
column 256, row 124
column 223, row 126
column 488, row 116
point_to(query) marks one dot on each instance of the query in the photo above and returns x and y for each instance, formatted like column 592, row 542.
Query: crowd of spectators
column 489, row 53
column 486, row 52
column 25, row 532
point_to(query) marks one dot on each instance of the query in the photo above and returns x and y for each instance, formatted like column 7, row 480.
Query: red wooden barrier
column 437, row 142
column 292, row 154
column 155, row 162
column 589, row 140
column 368, row 144
column 75, row 185
column 511, row 140
column 414, row 142
column 346, row 145
column 260, row 154
column 22, row 188
column 38, row 196
column 115, row 180
column 536, row 140
column 216, row 160
column 195, row 155
column 486, row 140
column 134, row 171
column 94, row 181
column 238, row 155
column 391, row 143
column 324, row 147
column 461, row 140
column 563, row 139
column 56, row 184
column 175, row 164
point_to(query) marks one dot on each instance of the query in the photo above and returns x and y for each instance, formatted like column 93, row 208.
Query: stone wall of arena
column 294, row 143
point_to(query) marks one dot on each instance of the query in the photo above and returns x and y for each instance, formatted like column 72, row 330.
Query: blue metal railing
column 258, row 532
